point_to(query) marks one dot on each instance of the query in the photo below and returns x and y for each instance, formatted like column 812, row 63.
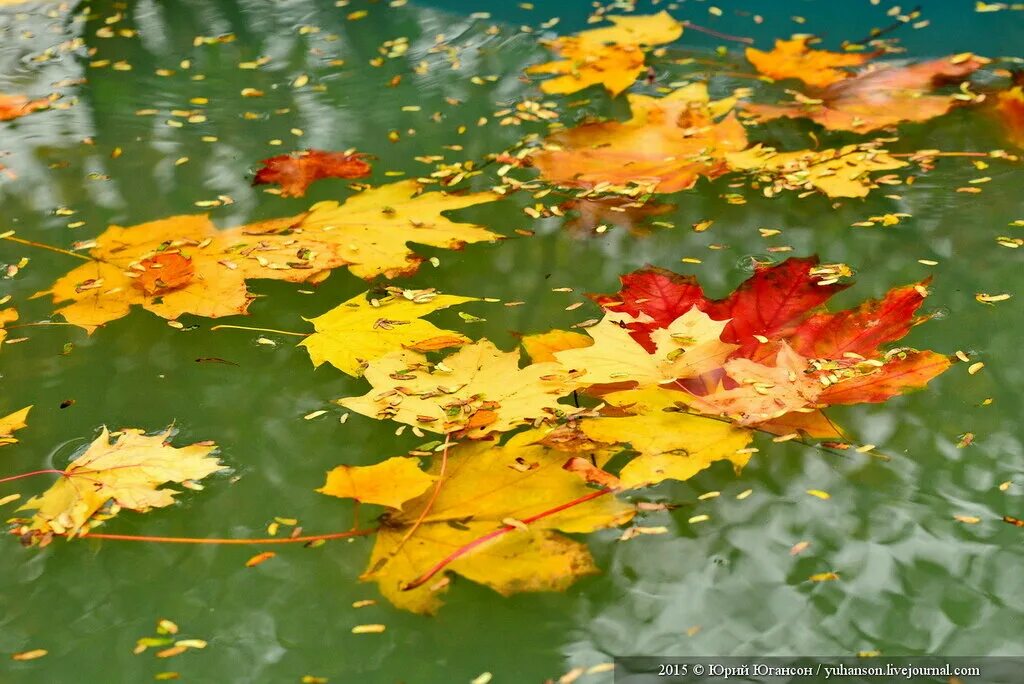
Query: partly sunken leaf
column 389, row 483
column 666, row 146
column 184, row 265
column 1010, row 105
column 842, row 172
column 8, row 315
column 11, row 423
column 761, row 393
column 794, row 59
column 541, row 347
column 295, row 172
column 610, row 56
column 595, row 216
column 14, row 106
column 883, row 96
column 126, row 473
column 484, row 487
column 616, row 67
column 474, row 392
column 362, row 330
column 672, row 444
column 688, row 347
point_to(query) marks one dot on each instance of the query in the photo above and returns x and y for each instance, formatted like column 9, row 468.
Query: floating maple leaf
column 295, row 172
column 11, row 423
column 388, row 483
column 882, row 96
column 666, row 146
column 843, row 172
column 775, row 311
column 476, row 391
column 184, row 265
column 126, row 473
column 610, row 56
column 487, row 487
column 364, row 329
column 795, row 59
column 14, row 106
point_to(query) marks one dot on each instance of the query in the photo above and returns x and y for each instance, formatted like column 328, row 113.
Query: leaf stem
column 41, row 245
column 12, row 478
column 463, row 550
column 716, row 34
column 433, row 495
column 268, row 330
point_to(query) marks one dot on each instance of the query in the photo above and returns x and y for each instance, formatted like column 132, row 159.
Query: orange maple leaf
column 295, row 172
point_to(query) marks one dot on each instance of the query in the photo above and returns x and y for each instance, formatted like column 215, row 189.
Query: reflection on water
column 913, row 579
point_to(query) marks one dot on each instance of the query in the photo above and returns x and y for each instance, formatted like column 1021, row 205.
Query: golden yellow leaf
column 610, row 56
column 362, row 330
column 183, row 264
column 475, row 391
column 9, row 424
column 689, row 346
column 541, row 347
column 485, row 486
column 7, row 315
column 842, row 172
column 667, row 144
column 388, row 483
column 126, row 473
column 370, row 231
column 672, row 444
column 644, row 29
column 794, row 59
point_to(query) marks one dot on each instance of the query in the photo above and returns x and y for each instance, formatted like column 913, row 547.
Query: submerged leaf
column 15, row 106
column 296, row 172
column 666, row 146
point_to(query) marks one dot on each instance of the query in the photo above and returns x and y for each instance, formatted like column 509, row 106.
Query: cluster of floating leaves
column 663, row 383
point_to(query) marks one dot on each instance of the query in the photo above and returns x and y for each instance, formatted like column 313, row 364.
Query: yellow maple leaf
column 487, row 486
column 184, row 265
column 7, row 315
column 610, row 56
column 127, row 473
column 370, row 231
column 541, row 347
column 388, row 483
column 666, row 146
column 794, row 59
column 672, row 444
column 841, row 172
column 475, row 391
column 362, row 330
column 688, row 347
column 9, row 424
